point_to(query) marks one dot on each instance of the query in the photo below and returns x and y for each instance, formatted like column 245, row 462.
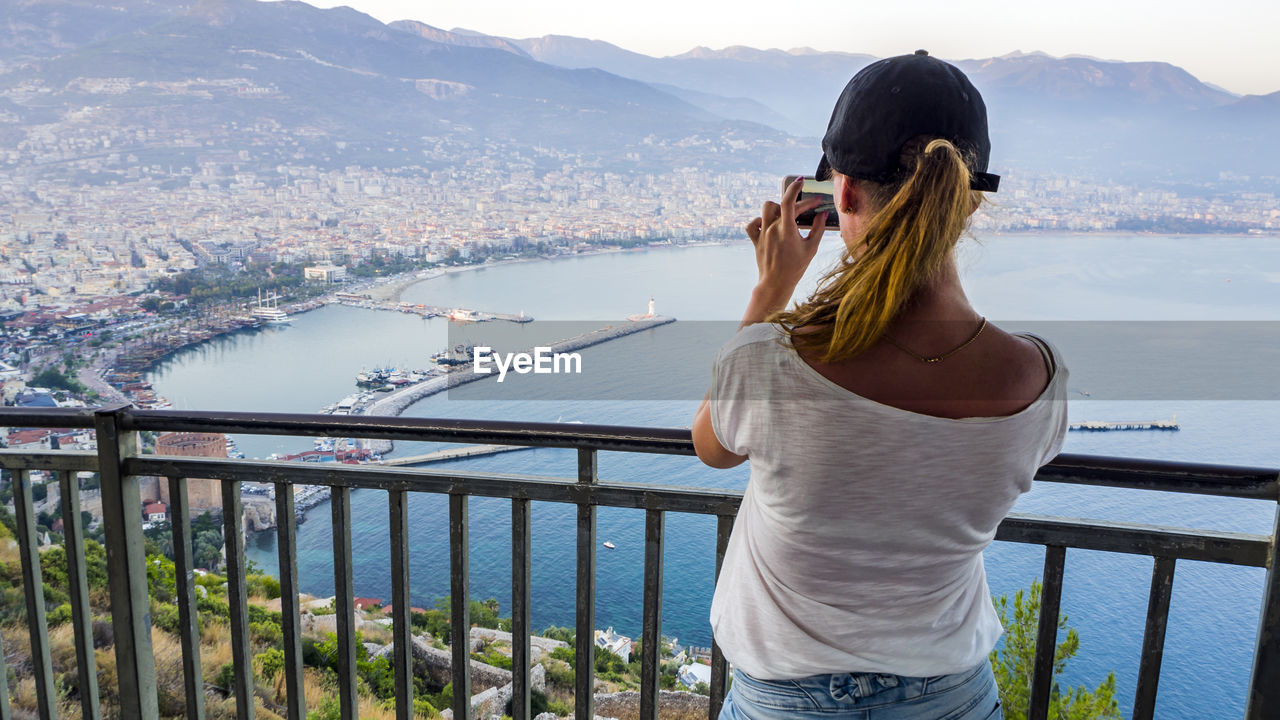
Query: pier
column 396, row 401
column 454, row 453
column 1101, row 426
column 430, row 311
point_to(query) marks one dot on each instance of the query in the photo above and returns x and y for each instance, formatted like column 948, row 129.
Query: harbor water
column 312, row 363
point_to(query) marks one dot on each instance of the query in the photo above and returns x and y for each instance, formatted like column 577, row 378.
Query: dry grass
column 9, row 552
column 170, row 689
column 374, row 633
column 315, row 693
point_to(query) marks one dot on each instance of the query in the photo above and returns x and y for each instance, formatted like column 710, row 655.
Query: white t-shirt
column 858, row 545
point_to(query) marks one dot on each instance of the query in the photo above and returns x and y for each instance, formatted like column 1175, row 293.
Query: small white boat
column 609, row 545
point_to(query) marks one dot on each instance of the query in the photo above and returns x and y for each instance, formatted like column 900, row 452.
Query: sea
column 1032, row 280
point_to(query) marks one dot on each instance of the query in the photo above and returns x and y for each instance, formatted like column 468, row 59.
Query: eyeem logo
column 540, row 362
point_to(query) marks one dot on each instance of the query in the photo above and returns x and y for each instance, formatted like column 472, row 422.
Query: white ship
column 268, row 309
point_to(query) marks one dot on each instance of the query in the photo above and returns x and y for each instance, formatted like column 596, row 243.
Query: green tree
column 1013, row 663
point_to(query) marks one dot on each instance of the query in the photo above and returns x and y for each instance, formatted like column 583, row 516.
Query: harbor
column 388, row 392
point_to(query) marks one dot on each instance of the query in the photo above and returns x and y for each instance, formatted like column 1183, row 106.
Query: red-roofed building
column 367, row 603
column 154, row 512
column 388, row 608
column 34, row 438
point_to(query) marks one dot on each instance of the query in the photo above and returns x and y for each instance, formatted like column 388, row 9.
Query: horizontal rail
column 1184, row 544
column 1216, row 546
column 121, row 464
column 56, row 417
column 59, row 460
column 667, row 441
column 501, row 485
column 1165, row 475
column 1140, row 474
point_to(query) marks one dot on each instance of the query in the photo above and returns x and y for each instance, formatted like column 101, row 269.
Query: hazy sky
column 1231, row 43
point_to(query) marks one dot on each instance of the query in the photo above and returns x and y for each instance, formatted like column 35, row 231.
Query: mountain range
column 405, row 88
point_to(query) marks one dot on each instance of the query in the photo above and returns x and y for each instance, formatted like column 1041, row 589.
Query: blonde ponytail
column 906, row 241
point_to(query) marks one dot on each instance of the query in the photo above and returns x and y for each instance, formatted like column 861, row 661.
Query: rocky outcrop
column 538, row 646
column 437, row 666
column 259, row 515
column 670, row 702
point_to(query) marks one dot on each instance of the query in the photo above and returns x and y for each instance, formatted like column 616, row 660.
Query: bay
column 1044, row 277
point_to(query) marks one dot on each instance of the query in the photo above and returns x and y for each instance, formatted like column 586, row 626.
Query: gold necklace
column 944, row 356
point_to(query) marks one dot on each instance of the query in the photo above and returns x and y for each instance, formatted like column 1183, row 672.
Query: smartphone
column 824, row 189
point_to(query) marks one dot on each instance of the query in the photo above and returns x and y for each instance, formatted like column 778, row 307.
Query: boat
column 271, row 313
column 460, row 355
column 609, row 545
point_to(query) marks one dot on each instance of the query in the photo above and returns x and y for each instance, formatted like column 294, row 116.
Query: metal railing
column 120, row 466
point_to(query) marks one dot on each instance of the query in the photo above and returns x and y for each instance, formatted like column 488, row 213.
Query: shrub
column 559, row 675
column 265, row 633
column 562, row 634
column 422, row 708
column 263, row 586
column 226, row 678
column 270, row 663
column 59, row 615
column 165, row 616
column 564, row 654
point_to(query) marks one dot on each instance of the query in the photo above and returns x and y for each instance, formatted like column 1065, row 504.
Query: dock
column 455, row 314
column 455, row 453
column 1101, row 426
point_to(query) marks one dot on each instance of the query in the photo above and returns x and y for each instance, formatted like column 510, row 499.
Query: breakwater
column 396, row 401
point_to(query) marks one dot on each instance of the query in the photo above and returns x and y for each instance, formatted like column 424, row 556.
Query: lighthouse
column 640, row 317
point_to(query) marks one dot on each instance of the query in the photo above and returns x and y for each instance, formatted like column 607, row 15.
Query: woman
column 889, row 426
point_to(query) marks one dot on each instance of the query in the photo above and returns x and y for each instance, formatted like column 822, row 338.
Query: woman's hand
column 782, row 253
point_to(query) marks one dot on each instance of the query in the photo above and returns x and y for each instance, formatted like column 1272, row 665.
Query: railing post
column 5, row 713
column 719, row 668
column 1055, row 558
column 521, row 553
column 585, row 645
column 33, row 590
column 1264, row 683
column 185, row 588
column 1144, row 702
column 237, row 598
column 290, row 618
column 127, row 581
column 651, row 621
column 78, row 582
column 344, row 603
column 401, row 632
column 460, row 603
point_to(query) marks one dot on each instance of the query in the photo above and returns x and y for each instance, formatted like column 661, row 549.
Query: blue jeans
column 968, row 695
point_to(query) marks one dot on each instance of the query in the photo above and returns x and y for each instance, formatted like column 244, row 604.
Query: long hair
column 907, row 241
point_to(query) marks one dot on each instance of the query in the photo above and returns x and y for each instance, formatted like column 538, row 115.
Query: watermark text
column 542, row 361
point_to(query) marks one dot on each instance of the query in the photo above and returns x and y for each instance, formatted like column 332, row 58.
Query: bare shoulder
column 1020, row 362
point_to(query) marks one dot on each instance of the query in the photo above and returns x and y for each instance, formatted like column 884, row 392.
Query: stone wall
column 437, row 666
column 670, row 702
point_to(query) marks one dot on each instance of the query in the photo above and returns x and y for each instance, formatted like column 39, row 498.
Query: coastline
column 395, row 285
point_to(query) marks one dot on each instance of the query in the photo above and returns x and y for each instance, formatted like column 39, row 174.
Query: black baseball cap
column 896, row 99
